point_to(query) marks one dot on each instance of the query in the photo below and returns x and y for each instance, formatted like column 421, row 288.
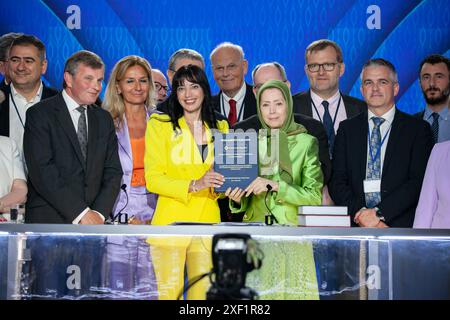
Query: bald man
column 161, row 87
column 235, row 100
column 275, row 71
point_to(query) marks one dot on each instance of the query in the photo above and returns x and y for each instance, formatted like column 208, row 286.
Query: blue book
column 236, row 158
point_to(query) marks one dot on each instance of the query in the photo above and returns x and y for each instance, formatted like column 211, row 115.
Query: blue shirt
column 444, row 123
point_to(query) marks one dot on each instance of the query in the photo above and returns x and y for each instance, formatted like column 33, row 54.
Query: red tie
column 232, row 116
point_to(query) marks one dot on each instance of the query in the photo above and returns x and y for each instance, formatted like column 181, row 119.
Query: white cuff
column 78, row 219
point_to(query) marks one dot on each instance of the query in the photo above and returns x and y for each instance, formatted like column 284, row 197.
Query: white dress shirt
column 239, row 98
column 16, row 126
column 332, row 107
column 72, row 106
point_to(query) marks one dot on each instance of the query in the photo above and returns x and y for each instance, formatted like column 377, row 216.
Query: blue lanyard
column 335, row 114
column 379, row 146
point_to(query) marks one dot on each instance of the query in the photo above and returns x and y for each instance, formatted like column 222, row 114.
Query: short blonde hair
column 113, row 100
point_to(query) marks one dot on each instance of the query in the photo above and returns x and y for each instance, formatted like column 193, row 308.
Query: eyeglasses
column 315, row 67
column 159, row 86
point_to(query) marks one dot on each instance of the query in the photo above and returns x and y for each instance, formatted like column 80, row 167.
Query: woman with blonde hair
column 129, row 98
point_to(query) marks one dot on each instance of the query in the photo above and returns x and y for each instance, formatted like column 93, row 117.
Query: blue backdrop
column 406, row 31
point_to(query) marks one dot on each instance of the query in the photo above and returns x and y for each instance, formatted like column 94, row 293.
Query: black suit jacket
column 61, row 184
column 47, row 92
column 314, row 127
column 303, row 105
column 249, row 103
column 408, row 148
column 3, row 86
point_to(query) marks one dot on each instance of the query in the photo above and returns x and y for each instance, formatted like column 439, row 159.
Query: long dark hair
column 195, row 75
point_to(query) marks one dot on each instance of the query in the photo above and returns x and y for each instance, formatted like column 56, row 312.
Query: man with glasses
column 161, row 87
column 235, row 100
column 323, row 101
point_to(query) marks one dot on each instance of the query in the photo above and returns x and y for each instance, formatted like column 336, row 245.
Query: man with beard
column 435, row 83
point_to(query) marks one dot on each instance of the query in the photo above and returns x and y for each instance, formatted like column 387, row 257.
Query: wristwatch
column 379, row 214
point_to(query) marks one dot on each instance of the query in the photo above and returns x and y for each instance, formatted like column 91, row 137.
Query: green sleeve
column 235, row 208
column 309, row 192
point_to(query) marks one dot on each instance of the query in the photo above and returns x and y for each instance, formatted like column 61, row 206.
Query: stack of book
column 323, row 216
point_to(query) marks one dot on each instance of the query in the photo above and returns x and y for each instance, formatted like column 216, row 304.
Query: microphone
column 124, row 189
column 269, row 217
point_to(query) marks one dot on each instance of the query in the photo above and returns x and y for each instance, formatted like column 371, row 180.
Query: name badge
column 372, row 186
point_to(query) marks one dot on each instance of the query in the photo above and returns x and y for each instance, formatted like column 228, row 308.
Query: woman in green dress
column 289, row 164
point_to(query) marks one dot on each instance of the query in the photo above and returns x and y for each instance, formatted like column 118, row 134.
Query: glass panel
column 149, row 263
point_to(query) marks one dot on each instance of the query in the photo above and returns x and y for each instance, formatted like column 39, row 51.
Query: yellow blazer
column 172, row 160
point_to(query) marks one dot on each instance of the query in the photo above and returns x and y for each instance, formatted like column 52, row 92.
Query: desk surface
column 369, row 233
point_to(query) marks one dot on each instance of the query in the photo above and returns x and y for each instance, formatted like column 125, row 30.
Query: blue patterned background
column 267, row 30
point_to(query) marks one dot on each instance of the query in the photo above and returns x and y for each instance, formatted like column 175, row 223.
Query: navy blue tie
column 328, row 124
column 435, row 126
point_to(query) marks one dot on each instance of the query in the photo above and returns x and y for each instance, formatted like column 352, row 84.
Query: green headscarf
column 289, row 128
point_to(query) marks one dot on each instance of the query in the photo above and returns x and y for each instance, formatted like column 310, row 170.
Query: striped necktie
column 374, row 165
column 82, row 131
column 435, row 126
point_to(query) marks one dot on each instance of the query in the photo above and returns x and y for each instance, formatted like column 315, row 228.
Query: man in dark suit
column 434, row 81
column 323, row 101
column 235, row 100
column 73, row 163
column 26, row 64
column 70, row 148
column 380, row 155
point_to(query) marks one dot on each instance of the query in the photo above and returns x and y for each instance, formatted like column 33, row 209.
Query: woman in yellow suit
column 178, row 158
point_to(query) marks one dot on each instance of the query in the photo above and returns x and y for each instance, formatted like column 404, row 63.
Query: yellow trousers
column 171, row 254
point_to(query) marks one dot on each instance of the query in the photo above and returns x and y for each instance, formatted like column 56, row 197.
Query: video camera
column 233, row 255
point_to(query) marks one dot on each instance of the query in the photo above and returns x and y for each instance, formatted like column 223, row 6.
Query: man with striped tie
column 435, row 83
column 380, row 156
